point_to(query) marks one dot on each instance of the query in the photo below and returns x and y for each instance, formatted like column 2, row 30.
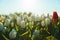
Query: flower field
column 29, row 27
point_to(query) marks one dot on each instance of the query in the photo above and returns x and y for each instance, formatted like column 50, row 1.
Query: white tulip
column 22, row 24
column 42, row 17
column 33, row 17
column 7, row 22
column 1, row 26
column 47, row 21
column 4, row 30
column 25, row 16
column 12, row 24
column 12, row 34
column 29, row 19
column 19, row 20
column 43, row 23
column 36, row 33
column 37, row 18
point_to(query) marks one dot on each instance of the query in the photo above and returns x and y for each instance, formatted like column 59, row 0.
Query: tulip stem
column 5, row 37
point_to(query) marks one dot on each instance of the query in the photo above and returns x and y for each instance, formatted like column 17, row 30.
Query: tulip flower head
column 12, row 24
column 42, row 17
column 22, row 24
column 29, row 19
column 54, row 18
column 47, row 21
column 1, row 26
column 12, row 34
column 7, row 22
column 36, row 33
column 43, row 23
column 37, row 18
column 4, row 29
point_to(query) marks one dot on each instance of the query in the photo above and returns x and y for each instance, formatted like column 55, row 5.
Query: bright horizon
column 34, row 6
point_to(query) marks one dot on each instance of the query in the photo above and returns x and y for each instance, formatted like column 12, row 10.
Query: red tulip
column 55, row 18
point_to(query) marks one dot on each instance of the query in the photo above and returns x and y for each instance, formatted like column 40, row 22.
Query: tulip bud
column 19, row 19
column 55, row 18
column 1, row 26
column 29, row 19
column 43, row 23
column 47, row 21
column 12, row 34
column 36, row 33
column 42, row 17
column 12, row 24
column 22, row 24
column 4, row 29
column 7, row 22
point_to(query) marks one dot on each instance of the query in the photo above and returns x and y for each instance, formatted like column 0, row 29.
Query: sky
column 34, row 6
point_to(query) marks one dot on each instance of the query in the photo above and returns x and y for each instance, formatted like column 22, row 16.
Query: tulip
column 37, row 18
column 42, row 17
column 43, row 23
column 35, row 34
column 7, row 22
column 29, row 19
column 12, row 34
column 1, row 26
column 19, row 19
column 55, row 18
column 47, row 21
column 33, row 17
column 22, row 24
column 4, row 29
column 12, row 24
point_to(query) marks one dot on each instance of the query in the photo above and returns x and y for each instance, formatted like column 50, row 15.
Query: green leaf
column 5, row 37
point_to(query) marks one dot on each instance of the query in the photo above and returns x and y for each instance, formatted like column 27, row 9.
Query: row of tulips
column 29, row 27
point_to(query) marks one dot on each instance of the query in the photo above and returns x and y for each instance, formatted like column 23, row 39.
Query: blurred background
column 34, row 6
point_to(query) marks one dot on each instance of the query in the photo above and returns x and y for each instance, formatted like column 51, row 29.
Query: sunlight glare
column 28, row 4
